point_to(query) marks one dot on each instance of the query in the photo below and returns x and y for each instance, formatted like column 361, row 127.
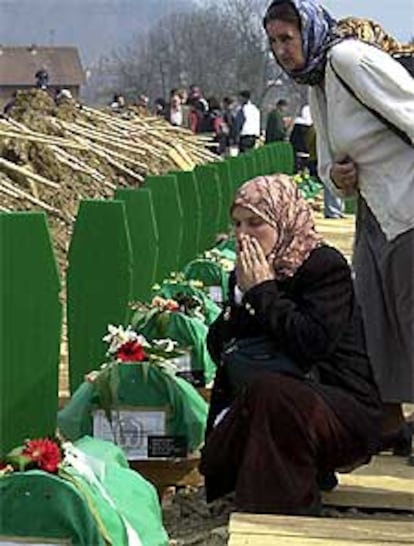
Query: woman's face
column 248, row 223
column 286, row 43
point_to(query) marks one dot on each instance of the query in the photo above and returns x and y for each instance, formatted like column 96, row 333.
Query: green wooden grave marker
column 191, row 208
column 227, row 192
column 98, row 283
column 211, row 202
column 169, row 217
column 30, row 329
column 144, row 238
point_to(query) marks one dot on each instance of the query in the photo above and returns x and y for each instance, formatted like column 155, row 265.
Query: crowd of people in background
column 234, row 124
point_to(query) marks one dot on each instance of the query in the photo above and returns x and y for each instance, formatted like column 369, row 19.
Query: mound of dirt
column 53, row 155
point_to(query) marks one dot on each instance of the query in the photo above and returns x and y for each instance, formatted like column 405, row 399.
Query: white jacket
column 251, row 125
column 345, row 127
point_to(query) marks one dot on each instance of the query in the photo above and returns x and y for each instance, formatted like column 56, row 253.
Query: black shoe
column 403, row 446
column 399, row 441
column 327, row 481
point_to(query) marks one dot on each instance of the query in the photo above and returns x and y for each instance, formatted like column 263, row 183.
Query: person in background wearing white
column 247, row 123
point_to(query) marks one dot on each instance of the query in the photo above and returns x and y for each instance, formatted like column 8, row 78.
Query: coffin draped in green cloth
column 72, row 507
column 310, row 187
column 169, row 289
column 140, row 385
column 210, row 273
column 227, row 245
column 187, row 331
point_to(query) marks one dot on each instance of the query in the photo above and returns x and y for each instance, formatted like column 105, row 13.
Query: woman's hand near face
column 344, row 174
column 252, row 268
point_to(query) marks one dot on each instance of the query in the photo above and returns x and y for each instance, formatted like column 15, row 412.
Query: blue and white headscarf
column 318, row 34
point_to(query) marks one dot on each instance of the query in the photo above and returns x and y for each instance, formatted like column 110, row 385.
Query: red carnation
column 45, row 453
column 131, row 351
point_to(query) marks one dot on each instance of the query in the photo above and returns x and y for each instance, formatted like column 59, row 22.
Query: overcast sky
column 396, row 16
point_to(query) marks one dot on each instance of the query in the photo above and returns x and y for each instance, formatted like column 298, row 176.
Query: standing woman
column 360, row 98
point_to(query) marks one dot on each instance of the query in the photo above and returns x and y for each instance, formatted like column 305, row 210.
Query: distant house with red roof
column 18, row 66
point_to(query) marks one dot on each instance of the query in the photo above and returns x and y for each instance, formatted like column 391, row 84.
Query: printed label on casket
column 216, row 294
column 130, row 429
column 34, row 541
column 167, row 446
column 195, row 377
column 183, row 362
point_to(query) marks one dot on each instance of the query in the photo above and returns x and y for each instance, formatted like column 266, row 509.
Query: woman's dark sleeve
column 309, row 325
column 225, row 327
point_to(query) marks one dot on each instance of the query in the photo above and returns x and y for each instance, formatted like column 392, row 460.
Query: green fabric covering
column 171, row 289
column 187, row 331
column 141, row 385
column 209, row 272
column 38, row 504
column 134, row 497
column 310, row 187
column 228, row 245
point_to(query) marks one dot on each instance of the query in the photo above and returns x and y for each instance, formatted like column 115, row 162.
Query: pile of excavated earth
column 52, row 156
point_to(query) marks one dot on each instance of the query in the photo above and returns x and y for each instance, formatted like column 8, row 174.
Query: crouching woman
column 308, row 404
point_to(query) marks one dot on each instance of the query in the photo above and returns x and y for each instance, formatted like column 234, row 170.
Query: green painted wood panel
column 30, row 329
column 191, row 207
column 250, row 164
column 227, row 192
column 211, row 202
column 98, row 282
column 262, row 160
column 144, row 238
column 169, row 217
column 239, row 168
column 282, row 157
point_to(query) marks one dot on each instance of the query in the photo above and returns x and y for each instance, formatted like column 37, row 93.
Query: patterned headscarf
column 371, row 32
column 318, row 34
column 277, row 200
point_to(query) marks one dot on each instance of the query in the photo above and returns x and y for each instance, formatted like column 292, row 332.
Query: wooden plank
column 164, row 473
column 261, row 529
column 387, row 483
column 260, row 540
column 205, row 392
column 338, row 232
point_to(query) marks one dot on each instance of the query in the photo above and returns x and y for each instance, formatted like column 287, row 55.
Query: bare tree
column 222, row 48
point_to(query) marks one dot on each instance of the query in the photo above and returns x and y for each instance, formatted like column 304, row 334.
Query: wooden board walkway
column 387, row 483
column 266, row 530
column 338, row 232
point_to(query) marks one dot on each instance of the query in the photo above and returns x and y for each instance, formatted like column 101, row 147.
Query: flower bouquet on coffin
column 213, row 270
column 308, row 185
column 59, row 492
column 42, row 454
column 177, row 287
column 181, row 320
column 137, row 400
